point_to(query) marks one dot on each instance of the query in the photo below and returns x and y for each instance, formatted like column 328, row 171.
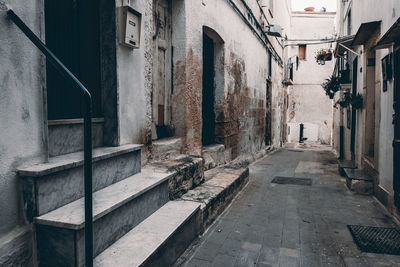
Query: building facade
column 366, row 121
column 308, row 104
column 204, row 72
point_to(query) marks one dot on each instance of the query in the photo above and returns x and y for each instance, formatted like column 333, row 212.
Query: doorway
column 369, row 145
column 161, row 98
column 73, row 34
column 354, row 111
column 396, row 122
column 208, row 112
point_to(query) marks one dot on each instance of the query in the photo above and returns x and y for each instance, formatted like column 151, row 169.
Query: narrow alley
column 272, row 224
column 199, row 133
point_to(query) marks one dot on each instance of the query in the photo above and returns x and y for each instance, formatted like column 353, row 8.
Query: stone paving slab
column 287, row 225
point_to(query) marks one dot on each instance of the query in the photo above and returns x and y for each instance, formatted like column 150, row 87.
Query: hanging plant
column 323, row 55
column 357, row 101
column 331, row 86
column 345, row 101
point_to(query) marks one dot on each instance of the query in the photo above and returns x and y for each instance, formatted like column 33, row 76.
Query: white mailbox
column 129, row 26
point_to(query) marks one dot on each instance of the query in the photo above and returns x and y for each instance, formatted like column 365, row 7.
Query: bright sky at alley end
column 299, row 5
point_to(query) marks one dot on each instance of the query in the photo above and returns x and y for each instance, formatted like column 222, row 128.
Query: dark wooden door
column 161, row 97
column 72, row 33
column 396, row 122
column 208, row 113
column 353, row 110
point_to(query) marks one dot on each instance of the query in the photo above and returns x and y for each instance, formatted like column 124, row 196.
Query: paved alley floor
column 292, row 225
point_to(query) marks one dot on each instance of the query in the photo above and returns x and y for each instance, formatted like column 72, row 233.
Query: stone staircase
column 142, row 216
column 128, row 202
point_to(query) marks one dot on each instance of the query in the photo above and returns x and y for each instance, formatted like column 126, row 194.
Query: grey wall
column 134, row 79
column 22, row 84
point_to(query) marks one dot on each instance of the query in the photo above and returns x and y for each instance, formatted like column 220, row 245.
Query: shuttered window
column 302, row 52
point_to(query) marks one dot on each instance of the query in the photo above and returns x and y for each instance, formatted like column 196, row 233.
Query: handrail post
column 60, row 67
column 88, row 184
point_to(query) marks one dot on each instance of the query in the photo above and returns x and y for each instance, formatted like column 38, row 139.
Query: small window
column 302, row 52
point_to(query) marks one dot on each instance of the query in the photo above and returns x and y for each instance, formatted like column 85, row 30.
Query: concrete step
column 51, row 185
column 187, row 173
column 345, row 164
column 166, row 148
column 215, row 155
column 157, row 241
column 359, row 181
column 222, row 185
column 116, row 210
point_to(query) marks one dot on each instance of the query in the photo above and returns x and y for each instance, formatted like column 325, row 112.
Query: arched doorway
column 213, row 82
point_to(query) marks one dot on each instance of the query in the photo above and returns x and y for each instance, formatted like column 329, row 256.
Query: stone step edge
column 71, row 216
column 68, row 161
column 125, row 246
column 366, row 177
column 370, row 180
column 242, row 178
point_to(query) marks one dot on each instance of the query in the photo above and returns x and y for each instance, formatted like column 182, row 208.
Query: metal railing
column 60, row 67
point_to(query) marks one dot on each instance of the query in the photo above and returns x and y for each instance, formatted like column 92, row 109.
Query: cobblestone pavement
column 291, row 225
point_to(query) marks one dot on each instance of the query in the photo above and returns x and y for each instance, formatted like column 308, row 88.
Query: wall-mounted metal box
column 129, row 25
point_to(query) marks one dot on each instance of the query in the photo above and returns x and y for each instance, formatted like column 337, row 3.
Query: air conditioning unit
column 275, row 30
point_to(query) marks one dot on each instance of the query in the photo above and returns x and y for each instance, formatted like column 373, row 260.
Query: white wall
column 308, row 103
column 134, row 78
column 388, row 12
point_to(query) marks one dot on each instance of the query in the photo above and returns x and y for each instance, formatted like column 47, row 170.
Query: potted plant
column 323, row 55
column 357, row 101
column 331, row 86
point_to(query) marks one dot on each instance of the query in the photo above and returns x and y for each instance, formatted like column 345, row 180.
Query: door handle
column 396, row 142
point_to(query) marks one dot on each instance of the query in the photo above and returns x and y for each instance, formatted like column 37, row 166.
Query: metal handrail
column 87, row 130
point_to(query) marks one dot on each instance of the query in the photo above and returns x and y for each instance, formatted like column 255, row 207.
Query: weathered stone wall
column 241, row 90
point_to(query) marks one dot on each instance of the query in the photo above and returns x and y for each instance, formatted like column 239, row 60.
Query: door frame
column 396, row 123
column 354, row 111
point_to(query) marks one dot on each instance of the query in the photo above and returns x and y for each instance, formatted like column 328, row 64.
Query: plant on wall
column 357, row 101
column 344, row 101
column 331, row 86
column 323, row 55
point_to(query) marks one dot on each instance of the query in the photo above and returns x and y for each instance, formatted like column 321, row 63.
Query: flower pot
column 309, row 9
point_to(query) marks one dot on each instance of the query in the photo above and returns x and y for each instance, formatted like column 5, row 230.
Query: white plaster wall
column 308, row 103
column 22, row 84
column 388, row 12
column 134, row 79
column 386, row 131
